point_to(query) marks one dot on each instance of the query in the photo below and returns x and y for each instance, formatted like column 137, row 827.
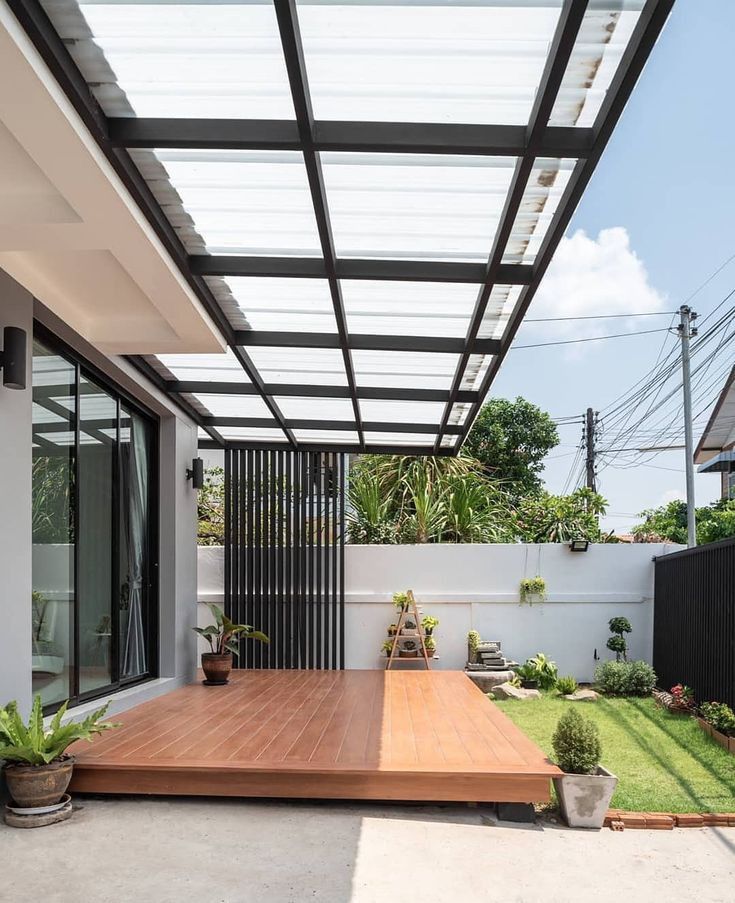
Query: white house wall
column 476, row 587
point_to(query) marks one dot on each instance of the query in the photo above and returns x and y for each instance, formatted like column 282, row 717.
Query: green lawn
column 665, row 763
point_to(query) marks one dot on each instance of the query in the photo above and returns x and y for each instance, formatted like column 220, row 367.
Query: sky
column 655, row 223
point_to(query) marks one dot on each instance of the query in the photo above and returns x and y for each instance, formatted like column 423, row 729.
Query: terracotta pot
column 217, row 667
column 39, row 785
column 408, row 653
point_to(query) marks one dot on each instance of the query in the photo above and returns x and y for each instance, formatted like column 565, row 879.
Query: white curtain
column 134, row 658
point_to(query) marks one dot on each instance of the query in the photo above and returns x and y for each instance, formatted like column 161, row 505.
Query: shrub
column 542, row 670
column 617, row 643
column 565, row 686
column 576, row 743
column 625, row 678
column 720, row 716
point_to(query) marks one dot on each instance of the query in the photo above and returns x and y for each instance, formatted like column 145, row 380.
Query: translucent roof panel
column 280, row 305
column 546, row 184
column 296, row 407
column 475, row 62
column 318, row 366
column 410, row 369
column 501, row 304
column 402, row 411
column 252, row 434
column 426, row 439
column 408, row 308
column 338, row 437
column 237, row 201
column 475, row 371
column 229, row 405
column 178, row 59
column 605, row 32
column 415, row 206
column 200, row 367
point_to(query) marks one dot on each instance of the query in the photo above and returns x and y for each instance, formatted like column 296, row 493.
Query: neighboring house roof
column 719, row 434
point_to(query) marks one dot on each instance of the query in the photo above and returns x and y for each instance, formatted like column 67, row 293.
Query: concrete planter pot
column 585, row 798
column 33, row 786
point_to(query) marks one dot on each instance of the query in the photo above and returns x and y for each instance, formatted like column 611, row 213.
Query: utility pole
column 590, row 434
column 686, row 331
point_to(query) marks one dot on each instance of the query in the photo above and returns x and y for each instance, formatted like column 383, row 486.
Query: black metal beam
column 336, row 447
column 293, row 52
column 380, row 270
column 565, row 37
column 257, row 338
column 646, row 33
column 375, row 426
column 352, row 137
column 202, row 387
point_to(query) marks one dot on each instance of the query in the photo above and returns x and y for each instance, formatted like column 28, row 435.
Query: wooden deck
column 394, row 735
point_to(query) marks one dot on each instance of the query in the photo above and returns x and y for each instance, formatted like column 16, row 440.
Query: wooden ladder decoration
column 410, row 612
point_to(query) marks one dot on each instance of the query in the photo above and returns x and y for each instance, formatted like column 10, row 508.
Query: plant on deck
column 576, row 743
column 625, row 678
column 617, row 643
column 224, row 634
column 31, row 744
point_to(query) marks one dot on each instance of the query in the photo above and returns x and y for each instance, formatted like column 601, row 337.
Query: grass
column 665, row 762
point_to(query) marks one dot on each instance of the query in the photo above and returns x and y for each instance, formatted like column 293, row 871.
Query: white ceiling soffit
column 69, row 231
column 719, row 434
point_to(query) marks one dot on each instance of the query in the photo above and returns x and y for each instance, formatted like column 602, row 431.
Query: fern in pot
column 37, row 767
column 586, row 788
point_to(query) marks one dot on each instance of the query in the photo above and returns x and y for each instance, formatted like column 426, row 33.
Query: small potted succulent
column 223, row 637
column 409, row 649
column 533, row 590
column 429, row 624
column 586, row 788
column 392, row 629
column 37, row 767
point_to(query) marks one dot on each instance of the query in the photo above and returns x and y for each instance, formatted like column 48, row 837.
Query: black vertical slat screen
column 284, row 555
column 694, row 621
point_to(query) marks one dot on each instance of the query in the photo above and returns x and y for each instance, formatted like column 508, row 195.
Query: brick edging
column 618, row 820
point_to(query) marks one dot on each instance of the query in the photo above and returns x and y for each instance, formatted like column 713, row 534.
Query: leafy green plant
column 525, row 673
column 530, row 587
column 473, row 640
column 429, row 624
column 669, row 522
column 617, row 642
column 543, row 671
column 369, row 516
column 430, row 644
column 224, row 634
column 560, row 518
column 720, row 716
column 31, row 744
column 625, row 678
column 400, row 600
column 387, row 646
column 211, row 508
column 566, row 686
column 576, row 743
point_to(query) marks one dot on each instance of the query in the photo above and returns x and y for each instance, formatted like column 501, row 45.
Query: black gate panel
column 694, row 621
column 284, row 555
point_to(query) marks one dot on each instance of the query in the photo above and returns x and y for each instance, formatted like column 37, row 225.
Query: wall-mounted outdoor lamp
column 579, row 545
column 13, row 357
column 196, row 473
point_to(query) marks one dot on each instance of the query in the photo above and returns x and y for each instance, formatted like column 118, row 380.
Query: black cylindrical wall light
column 13, row 357
column 196, row 474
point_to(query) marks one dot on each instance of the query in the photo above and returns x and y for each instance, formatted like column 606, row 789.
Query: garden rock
column 508, row 691
column 583, row 696
column 487, row 681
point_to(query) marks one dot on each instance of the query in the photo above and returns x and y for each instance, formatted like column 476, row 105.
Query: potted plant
column 526, row 675
column 387, row 646
column 586, row 788
column 533, row 590
column 409, row 627
column 429, row 624
column 430, row 646
column 37, row 768
column 222, row 637
column 400, row 600
column 682, row 699
column 392, row 629
column 409, row 649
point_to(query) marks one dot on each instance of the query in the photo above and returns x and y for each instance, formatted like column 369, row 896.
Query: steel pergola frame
column 115, row 136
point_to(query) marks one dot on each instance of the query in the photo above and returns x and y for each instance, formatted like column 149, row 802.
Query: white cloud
column 590, row 277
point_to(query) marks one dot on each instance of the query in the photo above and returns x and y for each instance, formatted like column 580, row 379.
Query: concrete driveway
column 231, row 851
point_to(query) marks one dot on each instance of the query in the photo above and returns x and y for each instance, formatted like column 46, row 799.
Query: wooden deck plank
column 411, row 735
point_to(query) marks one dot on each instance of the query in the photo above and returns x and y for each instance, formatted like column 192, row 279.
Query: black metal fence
column 284, row 555
column 694, row 621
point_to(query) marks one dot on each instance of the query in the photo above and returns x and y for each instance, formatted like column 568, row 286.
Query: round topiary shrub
column 625, row 678
column 576, row 743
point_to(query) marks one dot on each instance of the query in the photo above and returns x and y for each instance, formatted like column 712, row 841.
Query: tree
column 561, row 518
column 211, row 508
column 669, row 522
column 511, row 439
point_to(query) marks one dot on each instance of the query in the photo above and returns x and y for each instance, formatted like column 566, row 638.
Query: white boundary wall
column 476, row 587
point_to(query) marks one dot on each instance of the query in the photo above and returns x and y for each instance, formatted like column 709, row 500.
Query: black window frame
column 84, row 368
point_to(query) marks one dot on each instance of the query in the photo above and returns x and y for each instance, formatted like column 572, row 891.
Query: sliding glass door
column 94, row 590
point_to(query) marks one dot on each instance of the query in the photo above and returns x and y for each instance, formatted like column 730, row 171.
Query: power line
column 599, row 338
column 648, row 313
